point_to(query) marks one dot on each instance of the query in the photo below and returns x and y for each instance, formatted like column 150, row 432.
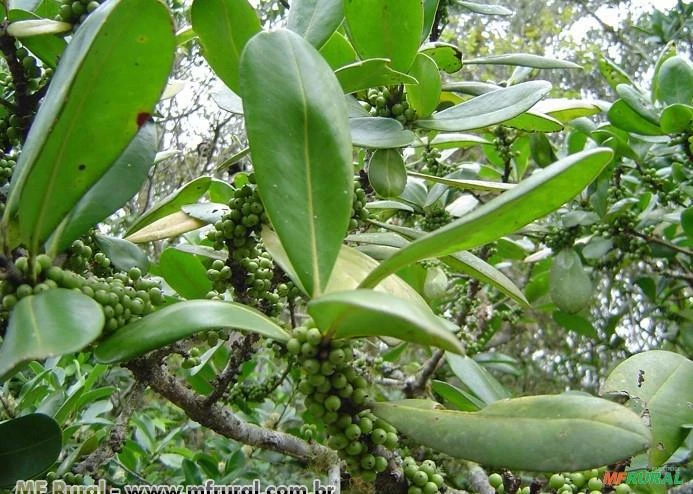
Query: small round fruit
column 495, row 480
column 354, row 448
column 578, row 479
column 314, row 336
column 410, row 471
column 623, row 489
column 332, row 403
column 378, row 436
column 594, row 484
column 429, row 467
column 420, row 478
column 437, row 479
column 352, row 432
column 380, row 464
column 414, row 490
column 556, row 481
column 391, row 440
column 293, row 346
column 366, row 425
column 430, row 488
column 368, row 462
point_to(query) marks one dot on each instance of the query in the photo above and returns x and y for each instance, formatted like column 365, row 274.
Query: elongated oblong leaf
column 122, row 253
column 488, row 109
column 461, row 400
column 379, row 133
column 485, row 8
column 446, row 56
column 479, row 381
column 169, row 226
column 370, row 73
column 315, row 20
column 458, row 183
column 524, row 60
column 363, row 313
column 51, row 323
column 55, row 167
column 661, row 382
column 533, row 198
column 185, row 273
column 385, row 29
column 30, row 445
column 302, row 161
column 386, row 172
column 537, row 433
column 180, row 321
column 424, row 96
column 224, row 27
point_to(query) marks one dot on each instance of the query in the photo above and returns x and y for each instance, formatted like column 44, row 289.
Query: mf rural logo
column 661, row 476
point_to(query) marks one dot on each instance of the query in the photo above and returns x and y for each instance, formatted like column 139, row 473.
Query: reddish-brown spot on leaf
column 142, row 118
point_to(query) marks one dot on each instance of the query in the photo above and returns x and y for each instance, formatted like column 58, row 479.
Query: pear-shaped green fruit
column 570, row 287
column 386, row 172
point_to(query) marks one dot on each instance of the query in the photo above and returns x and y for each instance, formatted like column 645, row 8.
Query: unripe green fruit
column 430, row 488
column 366, row 425
column 378, row 436
column 317, row 410
column 44, row 261
column 368, row 462
column 339, row 381
column 337, row 356
column 577, row 479
column 352, row 432
column 24, row 290
column 429, row 467
column 495, row 480
column 354, row 448
column 391, row 440
column 414, row 490
column 346, row 391
column 594, row 484
column 330, row 417
column 338, row 441
column 420, row 478
column 9, row 301
column 311, row 366
column 134, row 273
column 556, row 481
column 92, row 6
column 332, row 403
column 437, row 479
column 595, row 492
column 293, row 346
column 314, row 336
column 327, row 368
column 410, row 471
column 317, row 380
column 78, row 8
column 308, row 350
column 623, row 489
column 22, row 264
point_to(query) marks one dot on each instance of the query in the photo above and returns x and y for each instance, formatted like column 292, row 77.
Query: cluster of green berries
column 424, row 478
column 75, row 12
column 558, row 239
column 432, row 164
column 192, row 359
column 435, row 218
column 587, row 482
column 389, row 102
column 336, row 395
column 665, row 189
column 124, row 297
column 84, row 256
column 359, row 213
column 7, row 165
column 503, row 141
column 242, row 224
column 244, row 392
column 69, row 478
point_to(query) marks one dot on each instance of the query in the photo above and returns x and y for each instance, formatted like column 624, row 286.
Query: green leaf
column 667, row 52
column 118, row 185
column 187, row 194
column 224, row 27
column 122, row 253
column 541, row 150
column 484, row 8
column 220, row 191
column 170, row 226
column 55, row 168
column 430, row 7
column 30, row 445
column 457, row 397
column 228, row 100
column 379, row 133
column 659, row 382
column 687, row 221
column 476, row 378
column 564, row 110
column 533, row 198
column 560, row 433
column 51, row 323
column 477, row 185
column 338, row 52
column 185, row 273
column 488, row 109
column 675, row 81
column 364, row 313
column 676, row 118
column 575, row 322
column 524, row 60
column 49, row 48
column 315, row 20
column 624, row 117
column 534, row 122
column 613, row 74
column 570, row 286
column 386, row 172
column 638, row 102
column 308, row 198
column 370, row 73
column 37, row 27
column 179, row 321
column 424, row 95
column 209, row 212
column 446, row 56
column 383, row 29
column 453, row 141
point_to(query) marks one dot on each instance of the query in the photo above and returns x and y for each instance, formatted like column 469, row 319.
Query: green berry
column 495, row 480
column 414, row 490
column 368, row 462
column 380, row 464
column 391, row 440
column 332, row 403
column 556, row 481
column 314, row 336
column 378, row 436
column 437, row 479
column 44, row 261
column 594, row 484
column 429, row 467
column 24, row 290
column 311, row 366
column 366, row 425
column 354, row 448
column 430, row 488
column 623, row 489
column 420, row 478
column 293, row 346
column 352, row 432
column 410, row 471
column 578, row 479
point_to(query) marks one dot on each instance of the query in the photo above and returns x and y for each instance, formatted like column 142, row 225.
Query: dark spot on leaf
column 142, row 118
column 641, row 378
column 82, row 167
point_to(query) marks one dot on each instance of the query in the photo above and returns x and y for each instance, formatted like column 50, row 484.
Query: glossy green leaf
column 457, row 397
column 477, row 185
column 477, row 379
column 575, row 322
column 48, row 48
column 375, row 205
column 564, row 110
column 613, row 74
column 123, row 254
column 220, row 191
column 659, row 382
column 430, row 7
column 337, row 51
column 364, row 313
column 541, row 150
column 453, row 141
column 472, row 88
column 224, row 27
column 55, row 168
column 532, row 121
column 424, row 95
column 315, row 20
column 570, row 286
column 308, row 198
column 559, row 433
column 185, row 273
column 386, row 172
column 179, row 321
column 370, row 73
column 187, row 194
column 667, row 52
column 533, row 198
column 37, row 27
column 675, row 81
column 118, row 185
column 687, row 221
column 51, row 323
column 625, row 118
column 446, row 56
column 484, row 8
column 209, row 212
column 383, row 29
column 170, row 226
column 487, row 109
column 30, row 445
column 638, row 102
column 203, row 250
column 228, row 100
column 379, row 133
column 676, row 118
column 524, row 60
